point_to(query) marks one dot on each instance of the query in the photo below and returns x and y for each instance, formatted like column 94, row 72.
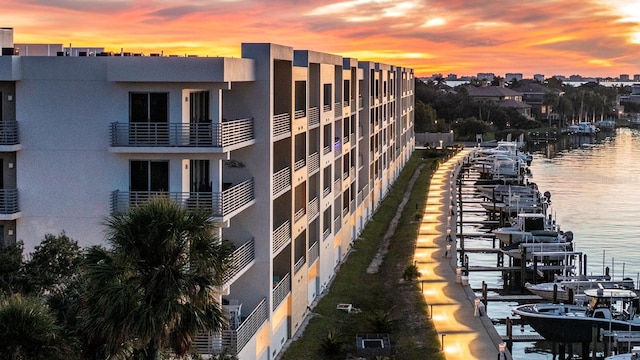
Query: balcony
column 345, row 212
column 224, row 136
column 299, row 114
column 338, row 110
column 313, row 253
column 314, row 117
column 326, row 150
column 299, row 164
column 337, row 147
column 352, row 206
column 281, row 125
column 298, row 265
column 233, row 341
column 336, row 186
column 326, row 191
column 337, row 224
column 241, row 258
column 281, row 290
column 281, row 181
column 9, row 136
column 299, row 214
column 326, row 108
column 220, row 204
column 313, row 163
column 313, row 209
column 9, row 204
column 281, row 237
column 326, row 233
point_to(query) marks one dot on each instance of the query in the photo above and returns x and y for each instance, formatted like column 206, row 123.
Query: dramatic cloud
column 588, row 37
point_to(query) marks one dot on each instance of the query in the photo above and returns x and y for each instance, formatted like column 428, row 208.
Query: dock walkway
column 451, row 305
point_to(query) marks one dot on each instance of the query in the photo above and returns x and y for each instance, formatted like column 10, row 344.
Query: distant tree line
column 441, row 108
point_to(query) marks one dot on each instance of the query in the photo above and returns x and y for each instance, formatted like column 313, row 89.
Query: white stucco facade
column 292, row 149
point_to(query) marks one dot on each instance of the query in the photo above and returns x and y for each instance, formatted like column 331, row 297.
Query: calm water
column 595, row 193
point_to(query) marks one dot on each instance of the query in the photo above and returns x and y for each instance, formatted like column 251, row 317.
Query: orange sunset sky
column 551, row 37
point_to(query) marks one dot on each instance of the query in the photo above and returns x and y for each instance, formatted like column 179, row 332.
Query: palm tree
column 156, row 285
column 28, row 330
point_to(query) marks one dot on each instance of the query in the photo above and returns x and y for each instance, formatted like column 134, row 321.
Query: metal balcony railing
column 352, row 206
column 337, row 147
column 326, row 191
column 300, row 164
column 299, row 114
column 314, row 117
column 345, row 212
column 9, row 134
column 299, row 214
column 9, row 201
column 337, row 224
column 338, row 110
column 313, row 253
column 281, row 236
column 313, row 163
column 313, row 208
column 240, row 259
column 326, row 108
column 336, row 186
column 281, row 290
column 233, row 341
column 281, row 124
column 281, row 180
column 345, row 176
column 299, row 264
column 326, row 233
column 219, row 135
column 326, row 150
column 220, row 204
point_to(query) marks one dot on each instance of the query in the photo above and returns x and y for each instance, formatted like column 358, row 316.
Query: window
column 148, row 117
column 327, row 96
column 149, row 176
column 149, row 107
column 301, row 95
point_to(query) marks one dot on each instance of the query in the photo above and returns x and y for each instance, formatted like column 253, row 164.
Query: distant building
column 452, row 77
column 538, row 77
column 624, row 77
column 636, row 77
column 486, row 76
column 508, row 77
column 502, row 96
column 533, row 94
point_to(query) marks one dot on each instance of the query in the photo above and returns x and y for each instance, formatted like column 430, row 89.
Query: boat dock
column 465, row 332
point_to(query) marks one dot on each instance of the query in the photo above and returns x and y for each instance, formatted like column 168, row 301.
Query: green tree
column 28, row 330
column 53, row 265
column 155, row 286
column 10, row 265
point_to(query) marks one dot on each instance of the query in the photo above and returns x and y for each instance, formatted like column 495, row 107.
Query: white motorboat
column 529, row 227
column 582, row 128
column 608, row 309
column 633, row 355
column 510, row 148
column 577, row 285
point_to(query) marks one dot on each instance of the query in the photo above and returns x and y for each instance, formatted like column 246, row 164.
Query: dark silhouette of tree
column 155, row 286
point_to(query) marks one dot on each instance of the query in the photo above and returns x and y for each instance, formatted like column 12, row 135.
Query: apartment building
column 292, row 150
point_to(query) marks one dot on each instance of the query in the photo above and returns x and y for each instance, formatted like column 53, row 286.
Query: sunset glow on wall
column 587, row 37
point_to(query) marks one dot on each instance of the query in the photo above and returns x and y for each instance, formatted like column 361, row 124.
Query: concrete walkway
column 451, row 304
